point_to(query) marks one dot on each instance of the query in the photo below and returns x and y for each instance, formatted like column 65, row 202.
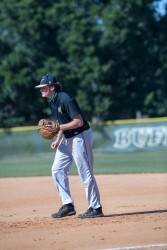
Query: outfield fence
column 117, row 136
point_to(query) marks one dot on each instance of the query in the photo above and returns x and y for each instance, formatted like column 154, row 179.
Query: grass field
column 108, row 163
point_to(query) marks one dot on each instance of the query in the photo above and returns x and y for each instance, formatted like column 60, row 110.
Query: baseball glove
column 48, row 129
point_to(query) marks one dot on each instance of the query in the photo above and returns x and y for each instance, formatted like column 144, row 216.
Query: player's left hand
column 48, row 129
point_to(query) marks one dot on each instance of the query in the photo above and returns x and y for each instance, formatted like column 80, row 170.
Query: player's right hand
column 54, row 144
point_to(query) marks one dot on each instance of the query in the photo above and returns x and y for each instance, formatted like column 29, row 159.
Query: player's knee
column 59, row 174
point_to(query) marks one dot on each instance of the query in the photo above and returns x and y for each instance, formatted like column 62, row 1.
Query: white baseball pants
column 79, row 149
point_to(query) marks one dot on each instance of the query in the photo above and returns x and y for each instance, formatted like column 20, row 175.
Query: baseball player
column 73, row 143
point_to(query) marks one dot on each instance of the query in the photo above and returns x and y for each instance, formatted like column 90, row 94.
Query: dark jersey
column 64, row 108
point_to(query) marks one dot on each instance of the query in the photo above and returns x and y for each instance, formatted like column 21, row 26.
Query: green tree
column 57, row 37
column 133, row 44
column 111, row 55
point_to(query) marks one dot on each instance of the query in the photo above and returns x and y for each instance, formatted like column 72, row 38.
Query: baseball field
column 133, row 188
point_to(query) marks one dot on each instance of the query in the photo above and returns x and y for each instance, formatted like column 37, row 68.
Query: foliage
column 111, row 55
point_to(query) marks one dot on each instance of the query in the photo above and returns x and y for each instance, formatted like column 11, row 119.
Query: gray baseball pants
column 79, row 149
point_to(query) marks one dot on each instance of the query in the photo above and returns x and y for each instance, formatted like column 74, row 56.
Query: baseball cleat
column 65, row 210
column 92, row 213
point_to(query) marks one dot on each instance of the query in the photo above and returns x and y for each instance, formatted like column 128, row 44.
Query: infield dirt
column 135, row 209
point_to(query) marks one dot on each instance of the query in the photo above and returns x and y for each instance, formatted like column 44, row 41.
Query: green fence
column 131, row 135
column 131, row 146
column 118, row 136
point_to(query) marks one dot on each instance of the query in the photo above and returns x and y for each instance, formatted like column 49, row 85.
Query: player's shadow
column 137, row 213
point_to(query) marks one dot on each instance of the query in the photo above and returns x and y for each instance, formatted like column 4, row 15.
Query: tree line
column 110, row 54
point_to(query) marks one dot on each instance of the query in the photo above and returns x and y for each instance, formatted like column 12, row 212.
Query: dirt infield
column 135, row 208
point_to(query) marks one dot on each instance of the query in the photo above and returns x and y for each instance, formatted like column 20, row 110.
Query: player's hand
column 54, row 144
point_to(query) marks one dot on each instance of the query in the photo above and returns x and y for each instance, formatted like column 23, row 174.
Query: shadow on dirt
column 136, row 213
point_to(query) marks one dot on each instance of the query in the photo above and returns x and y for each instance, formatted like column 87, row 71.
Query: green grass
column 107, row 163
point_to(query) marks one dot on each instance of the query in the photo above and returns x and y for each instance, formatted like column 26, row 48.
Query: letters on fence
column 140, row 137
column 131, row 137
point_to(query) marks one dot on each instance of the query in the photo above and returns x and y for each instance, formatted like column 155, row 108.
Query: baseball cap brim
column 41, row 86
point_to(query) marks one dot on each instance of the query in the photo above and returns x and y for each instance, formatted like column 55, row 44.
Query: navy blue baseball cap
column 47, row 80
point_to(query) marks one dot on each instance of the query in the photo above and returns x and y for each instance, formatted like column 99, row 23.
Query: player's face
column 46, row 92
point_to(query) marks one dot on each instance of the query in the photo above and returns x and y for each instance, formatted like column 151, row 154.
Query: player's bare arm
column 75, row 123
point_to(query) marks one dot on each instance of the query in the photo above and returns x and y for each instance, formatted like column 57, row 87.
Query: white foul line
column 136, row 247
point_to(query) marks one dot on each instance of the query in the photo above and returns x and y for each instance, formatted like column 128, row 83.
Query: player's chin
column 43, row 95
